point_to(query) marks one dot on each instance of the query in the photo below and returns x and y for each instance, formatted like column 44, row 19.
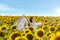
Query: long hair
column 31, row 19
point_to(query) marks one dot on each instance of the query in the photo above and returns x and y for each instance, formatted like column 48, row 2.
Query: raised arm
column 39, row 24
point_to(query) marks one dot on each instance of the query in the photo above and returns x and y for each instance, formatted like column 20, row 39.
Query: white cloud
column 4, row 7
column 58, row 11
column 7, row 10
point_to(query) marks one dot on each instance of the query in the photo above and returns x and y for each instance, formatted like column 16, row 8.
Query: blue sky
column 30, row 7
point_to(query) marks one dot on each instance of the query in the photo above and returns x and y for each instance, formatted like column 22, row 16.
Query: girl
column 33, row 23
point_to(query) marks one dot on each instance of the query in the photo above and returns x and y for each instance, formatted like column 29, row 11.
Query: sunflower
column 52, row 29
column 56, row 36
column 58, row 28
column 4, row 28
column 39, row 33
column 44, row 23
column 14, row 27
column 13, row 35
column 30, row 36
column 21, row 38
column 27, row 31
column 31, row 29
column 6, row 25
column 49, row 34
column 7, row 22
column 23, row 34
column 44, row 27
column 2, row 34
column 46, row 20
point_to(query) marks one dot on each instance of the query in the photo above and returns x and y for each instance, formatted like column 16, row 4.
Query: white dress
column 36, row 25
column 21, row 23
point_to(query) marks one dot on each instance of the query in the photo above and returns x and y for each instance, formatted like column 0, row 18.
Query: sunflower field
column 50, row 29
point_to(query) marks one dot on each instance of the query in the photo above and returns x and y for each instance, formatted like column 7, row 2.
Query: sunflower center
column 27, row 31
column 15, row 35
column 57, row 38
column 14, row 27
column 52, row 29
column 58, row 28
column 30, row 37
column 45, row 20
column 23, row 34
column 31, row 29
column 45, row 24
column 45, row 28
column 40, row 33
column 51, row 24
column 2, row 34
column 48, row 34
column 3, row 28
